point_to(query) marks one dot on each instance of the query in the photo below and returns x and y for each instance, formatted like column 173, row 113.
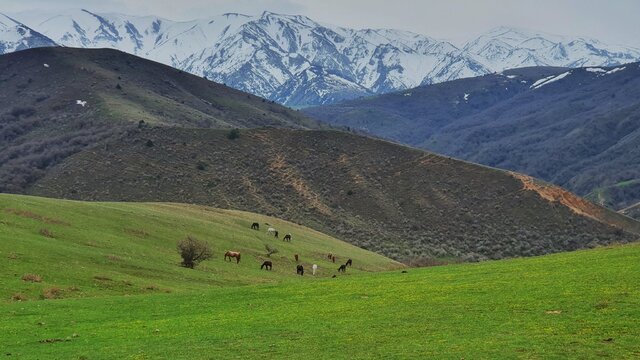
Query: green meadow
column 122, row 294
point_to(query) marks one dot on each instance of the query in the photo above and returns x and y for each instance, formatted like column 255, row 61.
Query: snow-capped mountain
column 15, row 36
column 508, row 48
column 297, row 61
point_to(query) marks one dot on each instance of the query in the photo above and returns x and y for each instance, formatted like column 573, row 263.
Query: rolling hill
column 97, row 249
column 405, row 203
column 58, row 101
column 577, row 128
column 583, row 303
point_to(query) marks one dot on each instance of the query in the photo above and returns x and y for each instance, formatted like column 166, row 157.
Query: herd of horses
column 268, row 264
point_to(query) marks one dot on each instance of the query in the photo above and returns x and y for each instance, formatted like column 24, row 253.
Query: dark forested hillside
column 402, row 202
column 576, row 128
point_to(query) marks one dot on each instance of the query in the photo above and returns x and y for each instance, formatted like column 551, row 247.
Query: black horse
column 349, row 262
column 287, row 238
column 300, row 270
column 342, row 268
column 267, row 264
column 275, row 234
column 255, row 226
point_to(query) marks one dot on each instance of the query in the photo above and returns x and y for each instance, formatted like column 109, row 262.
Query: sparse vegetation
column 270, row 250
column 193, row 251
column 32, row 278
column 233, row 134
column 46, row 233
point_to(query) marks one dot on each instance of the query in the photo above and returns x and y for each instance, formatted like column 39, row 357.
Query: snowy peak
column 506, row 48
column 15, row 36
column 298, row 61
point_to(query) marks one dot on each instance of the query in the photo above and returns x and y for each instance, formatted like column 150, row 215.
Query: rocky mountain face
column 297, row 61
column 15, row 36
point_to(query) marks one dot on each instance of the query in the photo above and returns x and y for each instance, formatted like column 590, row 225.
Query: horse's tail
column 238, row 257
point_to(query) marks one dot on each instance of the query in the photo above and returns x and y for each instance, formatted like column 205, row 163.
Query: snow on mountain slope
column 15, row 36
column 297, row 61
column 508, row 48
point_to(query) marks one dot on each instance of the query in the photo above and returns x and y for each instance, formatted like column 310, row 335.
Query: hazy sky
column 612, row 21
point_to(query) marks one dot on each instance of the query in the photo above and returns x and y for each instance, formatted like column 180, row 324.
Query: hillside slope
column 97, row 249
column 57, row 101
column 632, row 211
column 576, row 128
column 584, row 303
column 398, row 201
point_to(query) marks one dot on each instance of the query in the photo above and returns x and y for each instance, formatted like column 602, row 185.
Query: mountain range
column 578, row 128
column 294, row 60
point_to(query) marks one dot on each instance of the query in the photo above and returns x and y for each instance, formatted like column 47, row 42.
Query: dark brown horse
column 255, row 226
column 232, row 254
column 349, row 262
column 287, row 238
column 300, row 270
column 329, row 255
column 333, row 258
column 296, row 257
column 342, row 268
column 267, row 264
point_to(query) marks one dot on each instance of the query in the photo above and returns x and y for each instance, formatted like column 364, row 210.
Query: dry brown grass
column 46, row 233
column 52, row 293
column 32, row 278
column 34, row 216
column 136, row 232
column 19, row 297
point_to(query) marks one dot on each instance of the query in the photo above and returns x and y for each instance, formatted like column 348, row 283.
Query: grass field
column 88, row 249
column 584, row 304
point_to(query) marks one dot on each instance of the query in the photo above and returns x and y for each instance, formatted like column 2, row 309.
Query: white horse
column 271, row 231
column 314, row 268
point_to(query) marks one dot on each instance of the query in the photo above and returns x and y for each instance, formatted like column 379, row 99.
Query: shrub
column 149, row 143
column 233, row 134
column 270, row 250
column 52, row 293
column 46, row 233
column 18, row 297
column 193, row 251
column 32, row 278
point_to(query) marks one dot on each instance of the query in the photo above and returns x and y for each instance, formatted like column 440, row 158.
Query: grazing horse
column 271, row 231
column 333, row 258
column 314, row 268
column 300, row 270
column 232, row 254
column 296, row 257
column 267, row 264
column 349, row 262
column 287, row 238
column 255, row 226
column 329, row 255
column 342, row 268
column 275, row 234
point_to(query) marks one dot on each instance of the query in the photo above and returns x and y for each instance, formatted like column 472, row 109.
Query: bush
column 233, row 134
column 270, row 250
column 18, row 297
column 46, row 233
column 193, row 251
column 32, row 278
column 52, row 293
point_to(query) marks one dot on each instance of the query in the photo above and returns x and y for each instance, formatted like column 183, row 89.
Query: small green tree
column 233, row 134
column 193, row 251
column 270, row 250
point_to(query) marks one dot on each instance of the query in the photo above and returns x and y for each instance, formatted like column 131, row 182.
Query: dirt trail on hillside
column 557, row 194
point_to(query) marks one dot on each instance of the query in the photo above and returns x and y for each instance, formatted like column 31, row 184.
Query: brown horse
column 329, row 255
column 349, row 262
column 342, row 268
column 333, row 258
column 300, row 270
column 296, row 257
column 267, row 264
column 232, row 254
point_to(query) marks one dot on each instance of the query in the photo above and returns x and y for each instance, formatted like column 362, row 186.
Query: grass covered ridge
column 80, row 249
column 584, row 304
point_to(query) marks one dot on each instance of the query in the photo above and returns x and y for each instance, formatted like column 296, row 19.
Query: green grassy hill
column 583, row 304
column 89, row 249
